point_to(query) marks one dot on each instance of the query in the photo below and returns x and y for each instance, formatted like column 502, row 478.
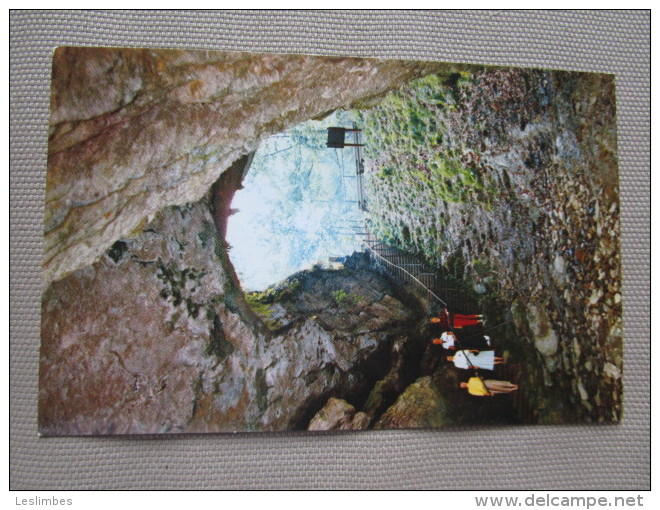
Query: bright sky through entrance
column 292, row 211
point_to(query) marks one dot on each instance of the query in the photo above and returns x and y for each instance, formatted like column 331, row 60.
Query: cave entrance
column 294, row 204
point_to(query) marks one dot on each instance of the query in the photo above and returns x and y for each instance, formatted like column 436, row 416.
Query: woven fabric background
column 541, row 457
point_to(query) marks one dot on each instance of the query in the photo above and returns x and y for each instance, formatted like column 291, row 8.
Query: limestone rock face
column 123, row 340
column 133, row 131
column 156, row 337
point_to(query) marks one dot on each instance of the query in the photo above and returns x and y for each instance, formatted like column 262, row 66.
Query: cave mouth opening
column 291, row 210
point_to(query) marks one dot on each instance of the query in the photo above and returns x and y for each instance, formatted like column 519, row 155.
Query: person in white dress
column 485, row 360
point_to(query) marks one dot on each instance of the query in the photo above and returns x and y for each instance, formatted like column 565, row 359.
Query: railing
column 428, row 282
column 403, row 266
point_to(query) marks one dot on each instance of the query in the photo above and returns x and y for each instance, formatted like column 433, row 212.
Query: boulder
column 612, row 371
column 338, row 414
column 420, row 405
column 559, row 270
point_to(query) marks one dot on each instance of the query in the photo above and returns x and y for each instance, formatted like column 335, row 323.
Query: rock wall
column 540, row 243
column 155, row 337
column 124, row 340
column 133, row 131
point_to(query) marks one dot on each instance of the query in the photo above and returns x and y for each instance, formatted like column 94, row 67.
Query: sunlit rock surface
column 134, row 130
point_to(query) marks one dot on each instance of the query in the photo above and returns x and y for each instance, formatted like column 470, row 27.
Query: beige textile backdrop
column 540, row 457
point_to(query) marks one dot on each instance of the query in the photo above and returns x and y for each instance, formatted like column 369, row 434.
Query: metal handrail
column 407, row 273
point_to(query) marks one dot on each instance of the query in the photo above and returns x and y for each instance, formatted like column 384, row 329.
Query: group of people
column 471, row 351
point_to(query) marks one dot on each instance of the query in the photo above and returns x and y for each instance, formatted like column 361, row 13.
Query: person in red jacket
column 448, row 320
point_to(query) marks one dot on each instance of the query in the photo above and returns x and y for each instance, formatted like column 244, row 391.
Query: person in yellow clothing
column 487, row 388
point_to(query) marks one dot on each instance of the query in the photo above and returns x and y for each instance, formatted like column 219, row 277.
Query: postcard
column 266, row 242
